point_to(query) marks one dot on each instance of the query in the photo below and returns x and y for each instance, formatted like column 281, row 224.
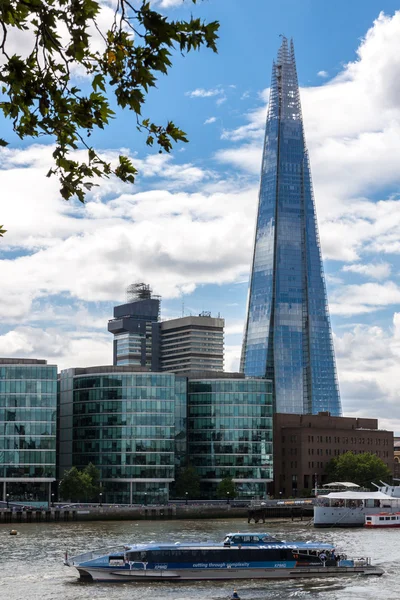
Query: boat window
column 381, row 518
column 393, row 518
column 387, row 518
column 369, row 519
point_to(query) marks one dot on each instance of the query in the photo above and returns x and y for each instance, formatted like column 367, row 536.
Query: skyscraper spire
column 287, row 333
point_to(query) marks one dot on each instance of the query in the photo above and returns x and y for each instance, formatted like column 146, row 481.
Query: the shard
column 287, row 334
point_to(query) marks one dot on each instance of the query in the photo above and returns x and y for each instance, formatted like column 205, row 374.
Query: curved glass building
column 287, row 334
column 28, row 405
column 122, row 420
column 230, row 432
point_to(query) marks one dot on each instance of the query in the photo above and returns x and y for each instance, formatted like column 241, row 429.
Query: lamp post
column 52, row 499
column 227, row 497
column 186, row 497
column 145, row 498
column 7, row 497
column 101, row 497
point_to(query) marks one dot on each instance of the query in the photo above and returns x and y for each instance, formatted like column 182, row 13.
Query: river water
column 31, row 563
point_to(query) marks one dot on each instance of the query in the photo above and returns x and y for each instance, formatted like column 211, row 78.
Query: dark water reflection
column 31, row 563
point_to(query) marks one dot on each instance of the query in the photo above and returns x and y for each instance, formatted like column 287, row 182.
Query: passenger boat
column 238, row 556
column 348, row 508
column 383, row 519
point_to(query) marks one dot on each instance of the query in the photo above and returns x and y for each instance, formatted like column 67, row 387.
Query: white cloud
column 323, row 74
column 364, row 298
column 379, row 270
column 202, row 93
column 210, row 120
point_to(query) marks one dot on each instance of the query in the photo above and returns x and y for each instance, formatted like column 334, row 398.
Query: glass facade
column 124, row 423
column 288, row 336
column 28, row 405
column 230, row 433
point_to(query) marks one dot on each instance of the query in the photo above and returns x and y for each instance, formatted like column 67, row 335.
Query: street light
column 52, row 499
column 101, row 496
column 186, row 496
column 145, row 498
column 227, row 497
column 7, row 496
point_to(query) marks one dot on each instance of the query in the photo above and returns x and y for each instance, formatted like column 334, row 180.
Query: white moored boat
column 383, row 519
column 349, row 508
column 239, row 556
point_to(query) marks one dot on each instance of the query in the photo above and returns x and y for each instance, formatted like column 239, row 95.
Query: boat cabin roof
column 213, row 546
column 358, row 496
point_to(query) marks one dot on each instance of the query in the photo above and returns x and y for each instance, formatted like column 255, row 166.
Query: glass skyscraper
column 287, row 333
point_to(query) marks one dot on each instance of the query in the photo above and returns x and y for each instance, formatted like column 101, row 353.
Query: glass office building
column 123, row 420
column 28, row 405
column 230, row 432
column 287, row 334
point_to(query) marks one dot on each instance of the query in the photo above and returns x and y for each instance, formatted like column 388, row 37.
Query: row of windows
column 139, row 420
column 231, row 436
column 229, row 448
column 346, row 440
column 230, row 410
column 29, row 372
column 116, row 433
column 245, row 386
column 27, row 387
column 17, row 457
column 234, row 472
column 24, row 443
column 230, row 398
column 124, row 393
column 151, row 459
column 118, row 380
column 123, row 446
column 33, row 429
column 28, row 401
column 28, row 471
column 27, row 415
column 123, row 406
column 232, row 460
column 231, row 423
column 110, row 472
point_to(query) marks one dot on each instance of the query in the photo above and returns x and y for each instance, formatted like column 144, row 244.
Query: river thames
column 31, row 563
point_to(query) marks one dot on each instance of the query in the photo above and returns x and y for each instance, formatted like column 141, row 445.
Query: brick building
column 304, row 444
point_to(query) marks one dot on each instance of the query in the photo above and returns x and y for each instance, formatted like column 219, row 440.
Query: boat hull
column 110, row 575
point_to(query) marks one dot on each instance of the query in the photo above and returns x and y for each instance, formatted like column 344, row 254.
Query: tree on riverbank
column 187, row 483
column 226, row 489
column 81, row 486
column 361, row 469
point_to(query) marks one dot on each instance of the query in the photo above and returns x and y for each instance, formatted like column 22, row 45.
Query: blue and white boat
column 238, row 556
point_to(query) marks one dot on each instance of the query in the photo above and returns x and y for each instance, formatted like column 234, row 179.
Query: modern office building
column 136, row 330
column 230, row 431
column 28, row 405
column 128, row 422
column 304, row 444
column 194, row 343
column 287, row 333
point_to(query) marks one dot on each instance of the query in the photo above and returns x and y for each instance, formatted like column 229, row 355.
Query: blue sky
column 187, row 226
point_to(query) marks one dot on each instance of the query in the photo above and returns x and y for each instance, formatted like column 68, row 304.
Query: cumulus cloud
column 210, row 120
column 202, row 93
column 380, row 270
column 323, row 74
column 364, row 298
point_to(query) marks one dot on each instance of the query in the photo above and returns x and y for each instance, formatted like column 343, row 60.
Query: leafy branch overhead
column 39, row 92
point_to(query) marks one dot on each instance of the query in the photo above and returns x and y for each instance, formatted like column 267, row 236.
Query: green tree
column 226, row 489
column 80, row 486
column 187, row 480
column 361, row 469
column 94, row 486
column 40, row 94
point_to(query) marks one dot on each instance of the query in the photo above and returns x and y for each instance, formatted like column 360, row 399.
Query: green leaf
column 3, row 142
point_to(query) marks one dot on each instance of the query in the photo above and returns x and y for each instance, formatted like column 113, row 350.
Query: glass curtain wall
column 125, row 425
column 28, row 404
column 287, row 335
column 230, row 434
